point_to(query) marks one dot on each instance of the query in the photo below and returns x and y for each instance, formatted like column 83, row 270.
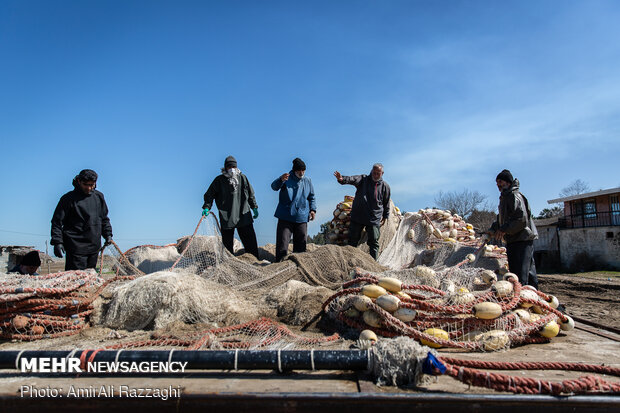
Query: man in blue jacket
column 296, row 207
column 371, row 206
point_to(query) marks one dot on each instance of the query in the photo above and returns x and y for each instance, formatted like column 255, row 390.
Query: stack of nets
column 439, row 239
column 259, row 334
column 339, row 226
column 487, row 315
column 47, row 306
column 338, row 233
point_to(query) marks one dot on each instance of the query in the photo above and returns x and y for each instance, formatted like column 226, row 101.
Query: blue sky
column 154, row 95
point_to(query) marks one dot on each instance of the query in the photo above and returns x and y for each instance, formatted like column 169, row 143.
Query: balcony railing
column 597, row 219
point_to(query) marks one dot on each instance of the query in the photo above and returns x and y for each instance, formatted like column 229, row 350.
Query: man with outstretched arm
column 371, row 206
column 79, row 222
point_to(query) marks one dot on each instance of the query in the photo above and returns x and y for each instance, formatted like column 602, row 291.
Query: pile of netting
column 489, row 319
column 47, row 306
column 438, row 238
column 259, row 334
column 338, row 230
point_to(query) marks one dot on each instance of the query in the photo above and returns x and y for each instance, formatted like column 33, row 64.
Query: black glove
column 108, row 241
column 59, row 250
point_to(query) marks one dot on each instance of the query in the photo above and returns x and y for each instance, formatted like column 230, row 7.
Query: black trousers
column 521, row 262
column 299, row 231
column 247, row 236
column 373, row 232
column 80, row 262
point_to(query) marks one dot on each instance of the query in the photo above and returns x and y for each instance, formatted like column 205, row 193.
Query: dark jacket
column 515, row 216
column 234, row 206
column 79, row 221
column 372, row 199
column 296, row 198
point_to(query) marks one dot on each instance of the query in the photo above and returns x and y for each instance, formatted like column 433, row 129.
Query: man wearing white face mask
column 234, row 197
column 371, row 206
column 296, row 206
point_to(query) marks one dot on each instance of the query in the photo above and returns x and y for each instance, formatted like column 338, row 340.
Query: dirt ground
column 594, row 296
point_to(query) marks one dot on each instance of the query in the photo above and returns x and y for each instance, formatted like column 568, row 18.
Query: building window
column 589, row 209
column 614, row 205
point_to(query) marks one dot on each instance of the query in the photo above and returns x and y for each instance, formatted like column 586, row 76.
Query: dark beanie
column 87, row 175
column 505, row 175
column 230, row 162
column 31, row 259
column 298, row 165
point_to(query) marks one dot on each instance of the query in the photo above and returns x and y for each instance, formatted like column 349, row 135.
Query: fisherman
column 234, row 197
column 371, row 206
column 515, row 225
column 296, row 206
column 79, row 222
column 29, row 264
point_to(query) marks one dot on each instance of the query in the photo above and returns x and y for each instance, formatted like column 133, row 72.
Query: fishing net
column 492, row 318
column 260, row 334
column 196, row 281
column 47, row 306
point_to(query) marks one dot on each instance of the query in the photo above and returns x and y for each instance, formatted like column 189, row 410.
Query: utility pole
column 47, row 258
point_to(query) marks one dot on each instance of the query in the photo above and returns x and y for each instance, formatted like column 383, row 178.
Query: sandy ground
column 593, row 296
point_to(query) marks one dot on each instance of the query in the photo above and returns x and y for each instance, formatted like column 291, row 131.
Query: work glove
column 108, row 241
column 205, row 212
column 59, row 250
column 255, row 210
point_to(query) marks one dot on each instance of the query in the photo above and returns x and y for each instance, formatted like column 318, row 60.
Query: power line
column 23, row 233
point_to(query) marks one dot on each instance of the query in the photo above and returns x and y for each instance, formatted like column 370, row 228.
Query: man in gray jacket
column 371, row 206
column 515, row 225
column 234, row 197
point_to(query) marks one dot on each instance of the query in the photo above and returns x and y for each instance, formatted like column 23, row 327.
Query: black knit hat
column 505, row 175
column 87, row 175
column 31, row 259
column 298, row 165
column 230, row 162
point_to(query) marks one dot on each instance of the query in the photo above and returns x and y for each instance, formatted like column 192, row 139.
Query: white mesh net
column 196, row 294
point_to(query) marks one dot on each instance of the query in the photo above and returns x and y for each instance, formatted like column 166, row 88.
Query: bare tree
column 575, row 188
column 482, row 219
column 551, row 212
column 462, row 203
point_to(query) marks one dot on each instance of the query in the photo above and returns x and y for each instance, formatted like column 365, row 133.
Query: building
column 589, row 231
column 547, row 246
column 11, row 255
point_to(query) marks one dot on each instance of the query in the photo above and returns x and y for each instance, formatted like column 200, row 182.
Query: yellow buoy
column 368, row 335
column 391, row 284
column 373, row 291
column 550, row 330
column 435, row 332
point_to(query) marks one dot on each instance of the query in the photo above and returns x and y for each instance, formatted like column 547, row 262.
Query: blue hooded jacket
column 296, row 198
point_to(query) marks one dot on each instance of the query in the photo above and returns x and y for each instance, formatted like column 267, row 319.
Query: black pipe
column 212, row 359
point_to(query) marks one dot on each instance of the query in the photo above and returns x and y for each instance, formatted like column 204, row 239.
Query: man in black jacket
column 371, row 206
column 234, row 197
column 79, row 222
column 515, row 225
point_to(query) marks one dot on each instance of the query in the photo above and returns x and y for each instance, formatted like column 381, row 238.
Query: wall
column 594, row 242
column 547, row 238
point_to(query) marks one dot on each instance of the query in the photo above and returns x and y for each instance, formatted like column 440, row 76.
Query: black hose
column 280, row 360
